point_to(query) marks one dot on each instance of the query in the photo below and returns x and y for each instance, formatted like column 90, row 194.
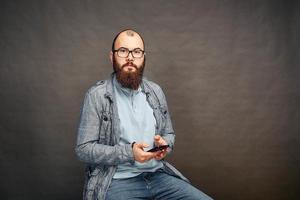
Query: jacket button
column 100, row 83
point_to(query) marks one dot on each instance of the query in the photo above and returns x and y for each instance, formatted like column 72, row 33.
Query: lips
column 129, row 65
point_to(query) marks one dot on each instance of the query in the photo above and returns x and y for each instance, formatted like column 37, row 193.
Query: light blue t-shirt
column 137, row 124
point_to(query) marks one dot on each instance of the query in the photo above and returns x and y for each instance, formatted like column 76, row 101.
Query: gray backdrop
column 229, row 70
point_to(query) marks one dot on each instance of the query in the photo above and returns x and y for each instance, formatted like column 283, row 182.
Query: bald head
column 130, row 35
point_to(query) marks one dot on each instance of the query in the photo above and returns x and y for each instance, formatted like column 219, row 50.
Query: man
column 121, row 119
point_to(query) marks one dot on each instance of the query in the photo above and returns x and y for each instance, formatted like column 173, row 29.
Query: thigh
column 129, row 188
column 165, row 186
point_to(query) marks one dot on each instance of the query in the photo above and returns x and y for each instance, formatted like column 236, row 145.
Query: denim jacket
column 99, row 133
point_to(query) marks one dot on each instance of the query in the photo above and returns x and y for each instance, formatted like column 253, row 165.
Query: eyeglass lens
column 124, row 52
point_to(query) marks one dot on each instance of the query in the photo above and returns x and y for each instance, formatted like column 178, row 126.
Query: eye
column 138, row 51
column 122, row 50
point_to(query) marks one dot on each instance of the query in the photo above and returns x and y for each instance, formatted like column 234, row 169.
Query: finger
column 159, row 157
column 149, row 155
column 160, row 154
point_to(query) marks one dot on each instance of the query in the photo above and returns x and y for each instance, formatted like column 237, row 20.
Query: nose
column 130, row 57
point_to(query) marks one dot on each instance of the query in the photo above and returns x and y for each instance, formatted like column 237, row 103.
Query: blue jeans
column 153, row 185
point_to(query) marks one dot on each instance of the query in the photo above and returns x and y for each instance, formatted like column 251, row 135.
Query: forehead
column 129, row 41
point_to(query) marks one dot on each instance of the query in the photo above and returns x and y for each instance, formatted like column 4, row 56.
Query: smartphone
column 160, row 148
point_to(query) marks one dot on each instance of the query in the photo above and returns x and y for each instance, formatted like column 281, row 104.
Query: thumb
column 141, row 145
column 144, row 145
column 157, row 137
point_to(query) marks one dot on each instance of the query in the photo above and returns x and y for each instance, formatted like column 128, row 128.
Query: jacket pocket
column 105, row 126
column 93, row 177
column 163, row 110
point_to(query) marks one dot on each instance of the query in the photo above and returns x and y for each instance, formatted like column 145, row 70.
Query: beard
column 129, row 79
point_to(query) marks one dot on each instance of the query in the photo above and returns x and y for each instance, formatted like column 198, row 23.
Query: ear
column 111, row 56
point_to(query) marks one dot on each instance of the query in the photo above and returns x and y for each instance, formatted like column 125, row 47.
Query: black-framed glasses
column 124, row 52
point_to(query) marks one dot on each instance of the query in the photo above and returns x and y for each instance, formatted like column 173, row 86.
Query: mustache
column 129, row 64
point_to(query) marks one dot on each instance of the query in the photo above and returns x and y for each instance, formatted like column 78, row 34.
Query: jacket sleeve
column 167, row 131
column 88, row 149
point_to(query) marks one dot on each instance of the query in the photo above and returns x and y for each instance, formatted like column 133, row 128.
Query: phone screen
column 162, row 147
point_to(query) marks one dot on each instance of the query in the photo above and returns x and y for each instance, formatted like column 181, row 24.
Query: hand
column 158, row 141
column 140, row 155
